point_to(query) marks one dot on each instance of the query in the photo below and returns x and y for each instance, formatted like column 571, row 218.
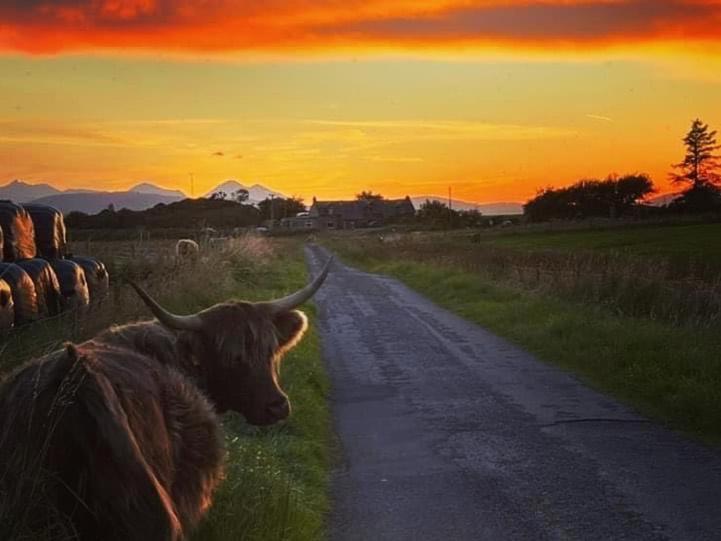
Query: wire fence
column 182, row 283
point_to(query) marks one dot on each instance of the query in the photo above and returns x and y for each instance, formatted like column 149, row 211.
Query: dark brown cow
column 118, row 438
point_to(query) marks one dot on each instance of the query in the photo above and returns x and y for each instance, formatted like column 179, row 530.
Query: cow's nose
column 279, row 409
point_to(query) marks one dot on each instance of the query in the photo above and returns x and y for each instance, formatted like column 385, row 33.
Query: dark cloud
column 229, row 25
column 540, row 22
column 218, row 153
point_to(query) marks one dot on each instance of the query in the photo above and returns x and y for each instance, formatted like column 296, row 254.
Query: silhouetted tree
column 220, row 194
column 700, row 166
column 612, row 198
column 278, row 208
column 240, row 196
column 701, row 170
column 368, row 196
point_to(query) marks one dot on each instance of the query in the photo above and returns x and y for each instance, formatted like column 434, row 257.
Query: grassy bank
column 667, row 367
column 276, row 485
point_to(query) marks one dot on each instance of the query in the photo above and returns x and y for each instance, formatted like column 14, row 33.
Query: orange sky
column 326, row 98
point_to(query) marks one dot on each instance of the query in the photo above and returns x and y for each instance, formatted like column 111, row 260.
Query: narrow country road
column 449, row 433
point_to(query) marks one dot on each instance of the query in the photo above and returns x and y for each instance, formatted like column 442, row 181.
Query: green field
column 599, row 303
column 276, row 485
column 699, row 242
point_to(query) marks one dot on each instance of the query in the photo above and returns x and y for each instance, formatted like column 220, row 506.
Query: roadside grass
column 668, row 371
column 277, row 477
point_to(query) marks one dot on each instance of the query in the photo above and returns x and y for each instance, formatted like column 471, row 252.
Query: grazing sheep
column 187, row 250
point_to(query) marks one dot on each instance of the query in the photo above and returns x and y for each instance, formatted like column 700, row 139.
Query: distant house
column 351, row 214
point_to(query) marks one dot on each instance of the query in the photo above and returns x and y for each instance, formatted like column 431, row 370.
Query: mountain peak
column 24, row 192
column 149, row 188
column 256, row 192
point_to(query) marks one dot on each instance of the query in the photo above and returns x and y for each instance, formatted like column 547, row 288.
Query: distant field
column 686, row 242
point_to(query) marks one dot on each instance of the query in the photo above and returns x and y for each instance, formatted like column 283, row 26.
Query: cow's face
column 238, row 347
column 241, row 348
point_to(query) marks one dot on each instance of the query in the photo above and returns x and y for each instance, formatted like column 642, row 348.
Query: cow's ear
column 290, row 327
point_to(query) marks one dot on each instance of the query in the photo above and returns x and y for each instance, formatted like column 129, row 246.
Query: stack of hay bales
column 25, row 298
column 7, row 307
column 18, row 232
column 50, row 234
column 51, row 239
column 46, row 283
column 96, row 276
column 42, row 280
column 18, row 244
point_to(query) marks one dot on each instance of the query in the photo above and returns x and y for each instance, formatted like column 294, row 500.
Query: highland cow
column 119, row 436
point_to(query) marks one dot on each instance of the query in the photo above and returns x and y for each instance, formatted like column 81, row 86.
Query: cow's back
column 94, row 439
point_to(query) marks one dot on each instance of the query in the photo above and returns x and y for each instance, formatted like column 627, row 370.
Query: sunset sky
column 493, row 97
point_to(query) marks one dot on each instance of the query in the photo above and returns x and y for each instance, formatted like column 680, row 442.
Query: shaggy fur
column 119, row 437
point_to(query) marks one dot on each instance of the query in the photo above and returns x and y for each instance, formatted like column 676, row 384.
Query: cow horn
column 299, row 297
column 179, row 323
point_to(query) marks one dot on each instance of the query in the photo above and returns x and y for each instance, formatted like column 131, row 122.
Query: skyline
column 496, row 98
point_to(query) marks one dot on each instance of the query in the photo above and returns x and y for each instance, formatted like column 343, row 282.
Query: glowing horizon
column 496, row 98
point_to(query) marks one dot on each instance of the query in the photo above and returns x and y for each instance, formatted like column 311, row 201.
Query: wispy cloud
column 446, row 129
column 599, row 117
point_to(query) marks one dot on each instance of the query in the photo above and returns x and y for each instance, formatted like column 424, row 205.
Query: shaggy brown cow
column 118, row 438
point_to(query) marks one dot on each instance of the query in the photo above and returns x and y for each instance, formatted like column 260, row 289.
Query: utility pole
column 450, row 201
column 192, row 186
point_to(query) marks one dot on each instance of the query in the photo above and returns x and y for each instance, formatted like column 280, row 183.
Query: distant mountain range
column 140, row 197
column 487, row 209
column 146, row 195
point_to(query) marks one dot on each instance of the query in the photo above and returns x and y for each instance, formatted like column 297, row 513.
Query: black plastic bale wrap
column 18, row 232
column 73, row 285
column 47, row 286
column 97, row 276
column 7, row 307
column 50, row 233
column 25, row 298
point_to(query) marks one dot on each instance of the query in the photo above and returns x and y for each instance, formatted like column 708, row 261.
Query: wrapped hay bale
column 46, row 283
column 96, row 275
column 73, row 285
column 25, row 298
column 18, row 232
column 7, row 307
column 50, row 233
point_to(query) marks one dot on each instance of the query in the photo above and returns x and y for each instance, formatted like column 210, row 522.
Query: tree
column 240, row 196
column 700, row 166
column 368, row 196
column 278, row 208
column 220, row 194
column 437, row 214
column 612, row 197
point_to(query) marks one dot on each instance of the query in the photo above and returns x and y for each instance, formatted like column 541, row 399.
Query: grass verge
column 668, row 372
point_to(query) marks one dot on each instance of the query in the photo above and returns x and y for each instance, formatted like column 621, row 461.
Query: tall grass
column 275, row 486
column 647, row 286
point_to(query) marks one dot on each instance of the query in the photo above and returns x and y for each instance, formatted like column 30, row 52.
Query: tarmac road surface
column 448, row 432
